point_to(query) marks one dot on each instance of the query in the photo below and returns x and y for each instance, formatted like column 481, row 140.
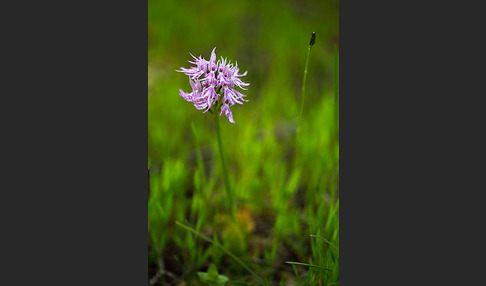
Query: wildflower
column 213, row 85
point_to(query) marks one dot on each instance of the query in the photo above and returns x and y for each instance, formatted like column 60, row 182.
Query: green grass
column 286, row 211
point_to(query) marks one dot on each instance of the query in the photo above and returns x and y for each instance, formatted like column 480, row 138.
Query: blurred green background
column 281, row 201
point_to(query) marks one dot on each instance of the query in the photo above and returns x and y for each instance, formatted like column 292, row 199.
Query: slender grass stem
column 229, row 191
column 303, row 89
column 301, row 116
column 311, row 43
column 307, row 264
column 323, row 239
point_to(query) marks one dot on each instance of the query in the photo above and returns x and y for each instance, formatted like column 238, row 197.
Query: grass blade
column 308, row 265
column 323, row 239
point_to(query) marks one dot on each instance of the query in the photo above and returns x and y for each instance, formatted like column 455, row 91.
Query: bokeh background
column 281, row 201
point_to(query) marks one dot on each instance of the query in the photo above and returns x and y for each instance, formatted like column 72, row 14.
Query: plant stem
column 303, row 89
column 225, row 172
column 296, row 159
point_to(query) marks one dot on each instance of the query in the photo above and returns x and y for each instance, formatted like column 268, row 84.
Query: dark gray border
column 409, row 119
column 74, row 179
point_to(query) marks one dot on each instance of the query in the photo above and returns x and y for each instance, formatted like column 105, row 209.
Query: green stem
column 225, row 172
column 303, row 89
column 301, row 116
column 307, row 264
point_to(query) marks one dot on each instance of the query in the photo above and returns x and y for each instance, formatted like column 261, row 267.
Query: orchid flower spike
column 213, row 85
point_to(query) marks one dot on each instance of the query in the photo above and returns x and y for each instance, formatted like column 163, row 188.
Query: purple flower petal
column 227, row 112
column 208, row 76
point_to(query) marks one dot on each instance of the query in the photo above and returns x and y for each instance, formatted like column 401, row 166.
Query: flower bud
column 313, row 39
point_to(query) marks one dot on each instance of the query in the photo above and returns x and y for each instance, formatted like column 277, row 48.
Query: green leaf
column 212, row 277
column 213, row 272
column 222, row 280
column 204, row 277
